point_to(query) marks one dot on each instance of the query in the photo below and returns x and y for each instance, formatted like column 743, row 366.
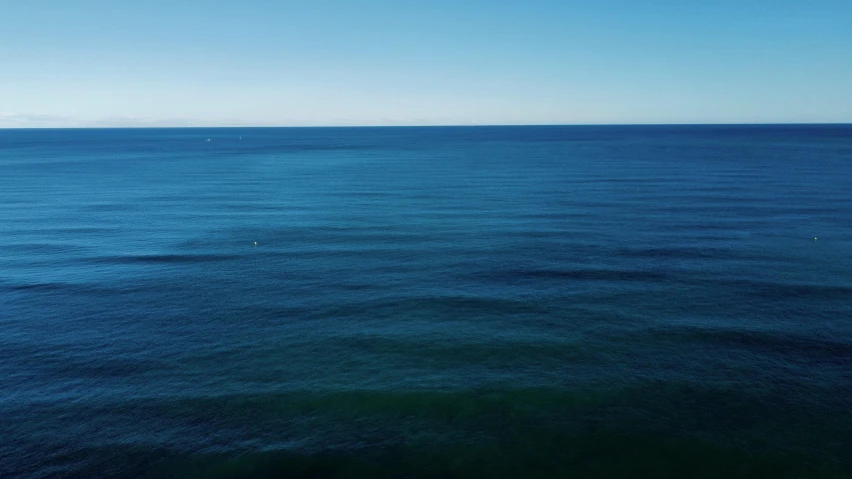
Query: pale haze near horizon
column 156, row 63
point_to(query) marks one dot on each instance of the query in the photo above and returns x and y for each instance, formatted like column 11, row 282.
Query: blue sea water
column 565, row 301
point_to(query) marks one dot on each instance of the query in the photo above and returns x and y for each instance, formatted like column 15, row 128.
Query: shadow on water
column 657, row 430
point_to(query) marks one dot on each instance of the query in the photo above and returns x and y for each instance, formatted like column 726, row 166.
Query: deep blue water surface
column 426, row 302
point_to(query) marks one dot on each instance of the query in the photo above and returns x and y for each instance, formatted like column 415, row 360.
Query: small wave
column 37, row 287
column 111, row 207
column 42, row 248
column 76, row 288
column 65, row 230
column 789, row 346
column 434, row 307
column 577, row 274
column 773, row 290
column 675, row 253
column 165, row 258
column 288, row 149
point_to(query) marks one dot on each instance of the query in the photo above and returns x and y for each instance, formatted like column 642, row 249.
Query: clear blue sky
column 377, row 62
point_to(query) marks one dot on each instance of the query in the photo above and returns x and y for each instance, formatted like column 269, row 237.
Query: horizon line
column 483, row 125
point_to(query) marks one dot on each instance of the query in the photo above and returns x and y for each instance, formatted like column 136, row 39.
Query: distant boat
column 208, row 139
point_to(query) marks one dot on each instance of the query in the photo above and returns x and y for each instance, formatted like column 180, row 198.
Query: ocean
column 426, row 302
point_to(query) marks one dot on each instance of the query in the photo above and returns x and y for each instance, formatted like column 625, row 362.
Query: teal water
column 613, row 301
